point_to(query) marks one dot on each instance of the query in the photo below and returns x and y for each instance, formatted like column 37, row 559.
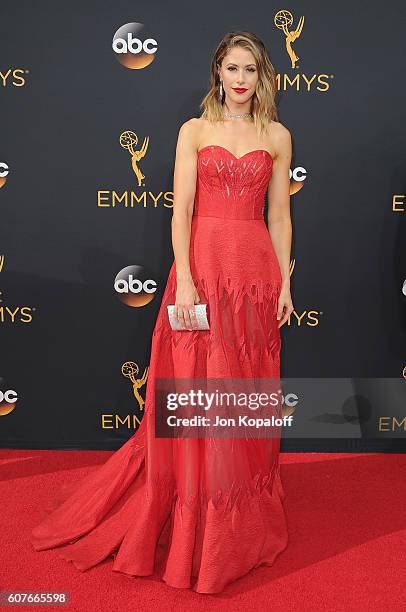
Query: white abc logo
column 9, row 396
column 134, row 285
column 135, row 45
column 3, row 169
column 299, row 174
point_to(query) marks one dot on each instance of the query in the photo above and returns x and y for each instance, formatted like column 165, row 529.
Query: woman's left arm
column 279, row 220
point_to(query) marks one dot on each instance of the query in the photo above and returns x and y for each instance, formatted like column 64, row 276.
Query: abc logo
column 4, row 170
column 134, row 45
column 298, row 174
column 133, row 48
column 8, row 401
column 297, row 179
column 9, row 396
column 135, row 286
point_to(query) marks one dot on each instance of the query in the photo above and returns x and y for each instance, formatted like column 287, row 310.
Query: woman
column 208, row 509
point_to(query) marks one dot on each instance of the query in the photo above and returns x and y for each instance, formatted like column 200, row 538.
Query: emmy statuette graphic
column 129, row 140
column 130, row 370
column 283, row 20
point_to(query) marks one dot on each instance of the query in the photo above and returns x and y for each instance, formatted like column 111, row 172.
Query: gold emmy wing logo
column 1, row 262
column 129, row 140
column 130, row 370
column 283, row 20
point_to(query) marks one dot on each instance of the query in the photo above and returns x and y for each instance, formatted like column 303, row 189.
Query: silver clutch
column 201, row 316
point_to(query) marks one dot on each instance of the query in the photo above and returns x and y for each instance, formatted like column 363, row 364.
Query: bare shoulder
column 189, row 127
column 280, row 132
column 189, row 133
column 281, row 139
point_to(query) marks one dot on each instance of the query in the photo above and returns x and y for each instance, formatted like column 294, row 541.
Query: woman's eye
column 233, row 68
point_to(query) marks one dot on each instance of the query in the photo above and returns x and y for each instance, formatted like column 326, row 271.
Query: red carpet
column 346, row 516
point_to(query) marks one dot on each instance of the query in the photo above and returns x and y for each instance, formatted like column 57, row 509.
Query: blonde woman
column 205, row 509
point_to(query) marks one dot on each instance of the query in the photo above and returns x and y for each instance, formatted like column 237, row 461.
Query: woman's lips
column 239, row 89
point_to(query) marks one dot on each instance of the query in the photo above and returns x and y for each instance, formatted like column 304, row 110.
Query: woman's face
column 238, row 70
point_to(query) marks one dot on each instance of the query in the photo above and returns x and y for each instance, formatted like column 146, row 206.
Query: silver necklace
column 230, row 116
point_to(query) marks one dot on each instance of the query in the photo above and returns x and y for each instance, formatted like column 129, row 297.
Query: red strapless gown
column 212, row 508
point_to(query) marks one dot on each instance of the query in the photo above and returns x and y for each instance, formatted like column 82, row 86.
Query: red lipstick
column 239, row 89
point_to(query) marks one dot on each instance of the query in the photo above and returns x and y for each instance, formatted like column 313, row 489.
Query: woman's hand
column 285, row 306
column 186, row 298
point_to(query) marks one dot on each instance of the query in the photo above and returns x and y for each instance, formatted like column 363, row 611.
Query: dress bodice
column 231, row 187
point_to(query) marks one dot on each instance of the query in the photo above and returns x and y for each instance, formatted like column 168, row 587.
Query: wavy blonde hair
column 263, row 105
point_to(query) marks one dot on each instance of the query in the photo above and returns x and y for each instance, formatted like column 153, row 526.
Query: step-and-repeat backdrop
column 85, row 240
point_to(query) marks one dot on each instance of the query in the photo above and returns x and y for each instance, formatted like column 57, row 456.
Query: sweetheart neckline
column 231, row 153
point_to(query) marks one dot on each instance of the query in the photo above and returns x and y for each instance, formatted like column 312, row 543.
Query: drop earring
column 221, row 91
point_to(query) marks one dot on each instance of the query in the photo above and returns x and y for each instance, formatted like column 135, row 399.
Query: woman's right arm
column 184, row 185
